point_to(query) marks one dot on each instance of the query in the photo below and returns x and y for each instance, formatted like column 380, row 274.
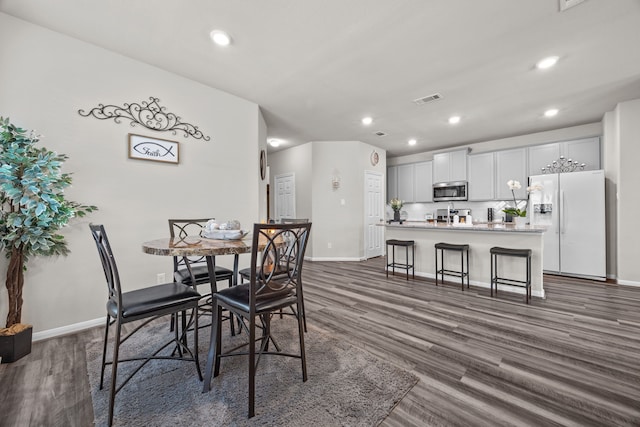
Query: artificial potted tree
column 32, row 211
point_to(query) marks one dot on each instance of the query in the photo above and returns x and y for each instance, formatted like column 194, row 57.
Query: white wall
column 262, row 183
column 626, row 134
column 314, row 165
column 45, row 77
column 296, row 160
column 611, row 165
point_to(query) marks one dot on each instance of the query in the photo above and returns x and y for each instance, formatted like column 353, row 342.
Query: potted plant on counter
column 33, row 209
column 519, row 215
column 396, row 205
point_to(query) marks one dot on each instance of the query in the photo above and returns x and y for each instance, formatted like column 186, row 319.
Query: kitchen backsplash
column 417, row 211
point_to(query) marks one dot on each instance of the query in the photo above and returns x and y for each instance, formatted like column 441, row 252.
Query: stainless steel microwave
column 450, row 191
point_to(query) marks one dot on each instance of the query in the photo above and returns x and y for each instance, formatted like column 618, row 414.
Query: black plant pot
column 396, row 215
column 14, row 347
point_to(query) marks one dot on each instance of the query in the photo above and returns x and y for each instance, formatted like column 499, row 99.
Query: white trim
column 628, row 282
column 335, row 259
column 64, row 330
column 382, row 204
column 276, row 206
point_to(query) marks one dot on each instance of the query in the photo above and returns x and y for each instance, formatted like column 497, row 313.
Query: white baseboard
column 628, row 282
column 334, row 259
column 64, row 330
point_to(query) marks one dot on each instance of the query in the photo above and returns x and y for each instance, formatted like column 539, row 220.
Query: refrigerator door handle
column 563, row 215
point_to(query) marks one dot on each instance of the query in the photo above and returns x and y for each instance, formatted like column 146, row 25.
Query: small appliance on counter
column 441, row 215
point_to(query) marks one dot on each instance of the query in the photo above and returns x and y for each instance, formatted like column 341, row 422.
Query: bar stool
column 442, row 271
column 406, row 266
column 495, row 279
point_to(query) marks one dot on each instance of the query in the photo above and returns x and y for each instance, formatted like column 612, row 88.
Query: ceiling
column 316, row 67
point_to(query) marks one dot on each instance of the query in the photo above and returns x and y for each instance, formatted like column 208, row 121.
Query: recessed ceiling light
column 274, row 142
column 367, row 121
column 454, row 119
column 551, row 112
column 547, row 62
column 412, row 142
column 220, row 38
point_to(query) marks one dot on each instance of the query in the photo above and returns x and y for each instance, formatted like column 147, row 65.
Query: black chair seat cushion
column 154, row 298
column 201, row 273
column 269, row 300
column 396, row 242
column 496, row 250
column 246, row 272
column 452, row 247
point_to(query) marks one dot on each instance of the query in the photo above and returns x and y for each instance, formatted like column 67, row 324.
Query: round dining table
column 191, row 246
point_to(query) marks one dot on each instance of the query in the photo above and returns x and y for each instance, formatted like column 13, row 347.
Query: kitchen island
column 481, row 237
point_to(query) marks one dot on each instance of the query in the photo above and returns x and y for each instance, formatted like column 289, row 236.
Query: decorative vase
column 14, row 347
column 520, row 221
column 396, row 215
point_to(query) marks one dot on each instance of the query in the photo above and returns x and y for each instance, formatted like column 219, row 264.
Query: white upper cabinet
column 451, row 166
column 511, row 165
column 441, row 167
column 406, row 183
column 542, row 155
column 586, row 150
column 392, row 182
column 481, row 176
column 423, row 182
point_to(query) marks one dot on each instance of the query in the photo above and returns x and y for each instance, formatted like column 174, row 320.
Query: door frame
column 381, row 175
column 275, row 194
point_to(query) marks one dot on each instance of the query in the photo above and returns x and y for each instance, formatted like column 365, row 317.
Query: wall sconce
column 335, row 182
column 335, row 179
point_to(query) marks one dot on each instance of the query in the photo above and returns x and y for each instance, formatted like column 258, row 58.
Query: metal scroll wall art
column 563, row 165
column 149, row 114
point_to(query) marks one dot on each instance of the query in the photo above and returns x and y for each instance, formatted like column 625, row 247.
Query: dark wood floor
column 572, row 359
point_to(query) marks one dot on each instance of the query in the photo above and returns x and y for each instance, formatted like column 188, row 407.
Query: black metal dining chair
column 180, row 228
column 145, row 305
column 289, row 253
column 184, row 268
column 267, row 292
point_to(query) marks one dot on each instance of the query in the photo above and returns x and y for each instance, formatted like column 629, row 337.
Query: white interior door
column 285, row 197
column 374, row 211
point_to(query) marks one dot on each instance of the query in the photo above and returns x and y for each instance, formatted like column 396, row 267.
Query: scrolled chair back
column 277, row 261
column 108, row 262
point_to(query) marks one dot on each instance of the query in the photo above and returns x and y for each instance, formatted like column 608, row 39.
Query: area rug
column 346, row 386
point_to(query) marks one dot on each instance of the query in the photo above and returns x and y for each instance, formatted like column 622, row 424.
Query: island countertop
column 476, row 226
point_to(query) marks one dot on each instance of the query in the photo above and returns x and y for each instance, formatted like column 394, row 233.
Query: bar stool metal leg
column 386, row 254
column 462, row 267
column 406, row 254
column 393, row 248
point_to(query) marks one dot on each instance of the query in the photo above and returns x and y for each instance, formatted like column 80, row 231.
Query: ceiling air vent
column 380, row 133
column 426, row 99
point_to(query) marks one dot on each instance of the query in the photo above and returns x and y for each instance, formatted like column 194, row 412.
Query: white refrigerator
column 572, row 206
